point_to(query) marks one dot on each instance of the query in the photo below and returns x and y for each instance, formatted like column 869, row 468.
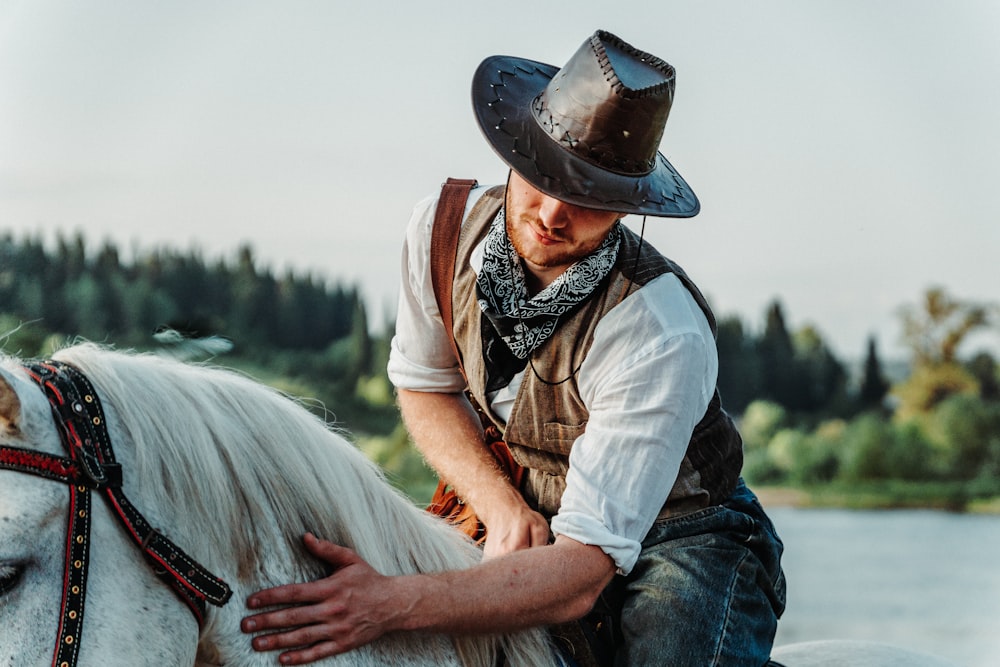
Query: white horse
column 234, row 473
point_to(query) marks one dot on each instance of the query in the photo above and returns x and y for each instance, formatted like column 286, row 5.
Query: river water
column 922, row 580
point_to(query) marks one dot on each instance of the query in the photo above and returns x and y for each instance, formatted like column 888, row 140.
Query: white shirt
column 647, row 381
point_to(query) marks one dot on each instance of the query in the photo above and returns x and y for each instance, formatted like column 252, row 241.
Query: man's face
column 549, row 234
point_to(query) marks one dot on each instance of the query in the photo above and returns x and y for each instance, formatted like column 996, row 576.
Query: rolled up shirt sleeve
column 647, row 382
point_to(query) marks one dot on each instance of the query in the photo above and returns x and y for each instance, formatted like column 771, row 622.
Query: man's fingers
column 310, row 642
column 312, row 621
column 304, row 593
column 312, row 653
column 540, row 534
column 290, row 617
column 289, row 594
column 333, row 554
column 295, row 638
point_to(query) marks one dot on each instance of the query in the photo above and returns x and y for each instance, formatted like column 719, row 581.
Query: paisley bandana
column 524, row 324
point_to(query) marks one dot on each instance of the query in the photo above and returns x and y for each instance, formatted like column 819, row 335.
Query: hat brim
column 503, row 88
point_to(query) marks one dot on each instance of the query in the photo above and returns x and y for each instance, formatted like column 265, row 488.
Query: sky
column 846, row 152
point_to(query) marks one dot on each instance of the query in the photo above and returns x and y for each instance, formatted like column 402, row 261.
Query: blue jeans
column 707, row 590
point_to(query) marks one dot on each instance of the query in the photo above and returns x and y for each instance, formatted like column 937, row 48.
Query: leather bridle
column 91, row 466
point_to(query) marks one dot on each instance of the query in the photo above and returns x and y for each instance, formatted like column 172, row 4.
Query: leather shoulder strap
column 444, row 245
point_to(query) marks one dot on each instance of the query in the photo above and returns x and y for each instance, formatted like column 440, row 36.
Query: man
column 595, row 356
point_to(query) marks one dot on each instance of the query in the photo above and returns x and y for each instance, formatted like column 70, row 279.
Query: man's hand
column 512, row 528
column 448, row 433
column 349, row 608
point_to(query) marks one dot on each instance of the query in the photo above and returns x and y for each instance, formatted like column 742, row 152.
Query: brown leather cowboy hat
column 588, row 133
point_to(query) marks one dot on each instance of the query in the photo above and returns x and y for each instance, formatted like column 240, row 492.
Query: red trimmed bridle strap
column 49, row 466
column 91, row 465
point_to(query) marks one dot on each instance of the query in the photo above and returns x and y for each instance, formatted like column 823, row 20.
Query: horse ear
column 10, row 409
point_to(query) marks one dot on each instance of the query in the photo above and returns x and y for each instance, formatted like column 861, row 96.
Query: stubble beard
column 546, row 260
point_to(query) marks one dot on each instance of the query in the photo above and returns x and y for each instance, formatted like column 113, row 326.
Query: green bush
column 968, row 431
column 761, row 421
column 866, row 449
column 759, row 469
column 877, row 449
column 821, row 463
column 911, row 456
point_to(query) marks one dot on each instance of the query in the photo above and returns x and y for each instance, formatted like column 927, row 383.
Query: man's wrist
column 502, row 500
column 419, row 603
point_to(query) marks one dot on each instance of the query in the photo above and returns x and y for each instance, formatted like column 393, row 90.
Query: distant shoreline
column 778, row 496
column 868, row 499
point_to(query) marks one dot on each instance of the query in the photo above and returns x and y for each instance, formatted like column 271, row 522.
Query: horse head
column 129, row 615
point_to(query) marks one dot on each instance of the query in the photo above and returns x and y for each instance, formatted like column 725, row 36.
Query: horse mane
column 250, row 469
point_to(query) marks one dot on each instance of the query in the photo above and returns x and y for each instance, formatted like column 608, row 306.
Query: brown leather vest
column 546, row 419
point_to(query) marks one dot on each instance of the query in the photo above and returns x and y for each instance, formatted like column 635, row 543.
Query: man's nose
column 553, row 213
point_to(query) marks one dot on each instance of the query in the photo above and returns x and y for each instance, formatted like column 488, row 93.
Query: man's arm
column 356, row 605
column 447, row 431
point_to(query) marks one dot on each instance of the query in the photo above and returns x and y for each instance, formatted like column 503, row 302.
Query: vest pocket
column 560, row 437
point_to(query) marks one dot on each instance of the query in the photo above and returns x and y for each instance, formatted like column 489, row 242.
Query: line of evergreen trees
column 100, row 297
column 296, row 332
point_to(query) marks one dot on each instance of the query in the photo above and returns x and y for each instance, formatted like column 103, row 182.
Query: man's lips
column 545, row 239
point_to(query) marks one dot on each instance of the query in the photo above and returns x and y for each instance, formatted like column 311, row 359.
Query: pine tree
column 777, row 360
column 874, row 386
